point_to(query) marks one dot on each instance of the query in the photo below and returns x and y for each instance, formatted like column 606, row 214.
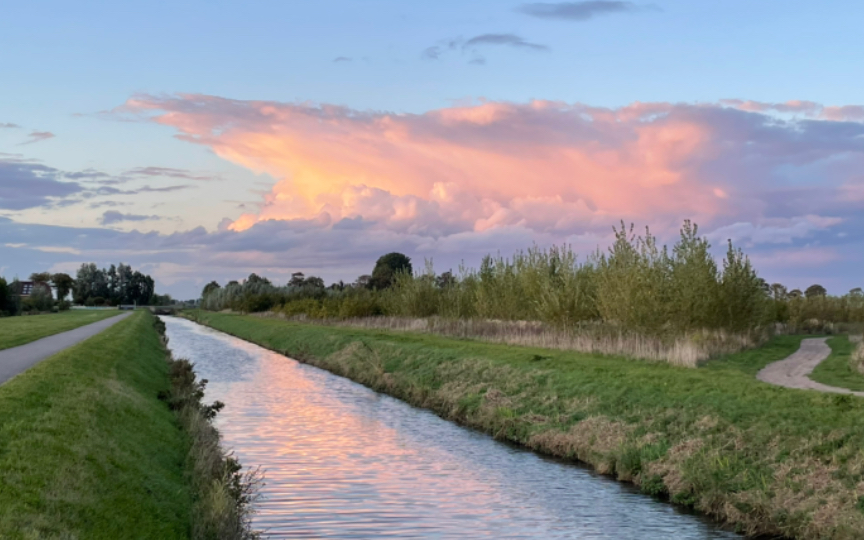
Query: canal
column 342, row 461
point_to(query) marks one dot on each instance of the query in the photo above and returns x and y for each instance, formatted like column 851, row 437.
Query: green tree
column 814, row 291
column 40, row 277
column 388, row 267
column 210, row 287
column 5, row 301
column 63, row 283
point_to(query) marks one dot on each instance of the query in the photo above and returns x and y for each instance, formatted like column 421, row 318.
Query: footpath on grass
column 18, row 359
column 768, row 460
column 15, row 331
column 795, row 371
column 87, row 449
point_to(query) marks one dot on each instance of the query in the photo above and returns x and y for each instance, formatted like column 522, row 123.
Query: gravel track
column 794, row 371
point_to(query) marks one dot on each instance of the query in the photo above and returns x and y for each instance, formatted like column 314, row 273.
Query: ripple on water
column 342, row 461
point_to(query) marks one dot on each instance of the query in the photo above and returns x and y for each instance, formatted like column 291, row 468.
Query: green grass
column 86, row 448
column 837, row 369
column 771, row 460
column 15, row 331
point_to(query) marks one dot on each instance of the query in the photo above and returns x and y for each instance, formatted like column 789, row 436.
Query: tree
column 814, row 291
column 63, row 283
column 857, row 292
column 795, row 293
column 40, row 277
column 210, row 287
column 363, row 282
column 314, row 282
column 297, row 279
column 778, row 291
column 5, row 301
column 255, row 278
column 388, row 267
column 40, row 298
column 445, row 280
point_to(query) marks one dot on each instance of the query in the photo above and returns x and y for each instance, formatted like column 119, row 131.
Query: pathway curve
column 794, row 372
column 18, row 359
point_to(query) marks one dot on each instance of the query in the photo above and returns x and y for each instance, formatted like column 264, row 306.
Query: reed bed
column 687, row 351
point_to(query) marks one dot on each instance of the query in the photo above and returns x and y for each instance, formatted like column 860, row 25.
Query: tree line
column 636, row 285
column 91, row 286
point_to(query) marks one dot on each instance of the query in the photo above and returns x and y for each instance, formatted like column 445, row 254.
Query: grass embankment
column 840, row 369
column 15, row 331
column 87, row 450
column 770, row 460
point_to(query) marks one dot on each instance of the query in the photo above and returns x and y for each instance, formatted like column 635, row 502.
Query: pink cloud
column 542, row 166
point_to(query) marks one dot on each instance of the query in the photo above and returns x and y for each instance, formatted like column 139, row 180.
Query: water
column 342, row 461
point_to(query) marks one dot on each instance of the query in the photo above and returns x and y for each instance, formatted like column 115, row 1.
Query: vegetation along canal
column 342, row 461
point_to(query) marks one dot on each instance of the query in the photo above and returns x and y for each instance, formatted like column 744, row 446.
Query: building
column 26, row 288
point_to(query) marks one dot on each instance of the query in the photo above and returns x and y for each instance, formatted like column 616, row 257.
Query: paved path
column 18, row 359
column 794, row 372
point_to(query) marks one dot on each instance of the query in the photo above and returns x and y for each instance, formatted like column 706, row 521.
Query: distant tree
column 445, row 280
column 210, row 287
column 313, row 281
column 40, row 277
column 232, row 283
column 363, row 282
column 778, row 291
column 387, row 267
column 795, row 293
column 255, row 278
column 856, row 292
column 63, row 283
column 814, row 291
column 5, row 301
column 297, row 279
column 41, row 299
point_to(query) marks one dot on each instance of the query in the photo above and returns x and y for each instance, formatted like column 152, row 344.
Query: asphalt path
column 19, row 359
column 794, row 372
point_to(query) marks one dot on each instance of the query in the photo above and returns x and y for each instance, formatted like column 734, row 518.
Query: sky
column 208, row 140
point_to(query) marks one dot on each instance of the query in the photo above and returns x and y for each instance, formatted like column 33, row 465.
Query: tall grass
column 687, row 350
column 858, row 355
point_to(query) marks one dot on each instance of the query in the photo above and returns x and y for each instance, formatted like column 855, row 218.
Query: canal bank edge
column 769, row 460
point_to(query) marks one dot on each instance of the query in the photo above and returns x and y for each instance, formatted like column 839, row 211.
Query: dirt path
column 794, row 372
column 18, row 359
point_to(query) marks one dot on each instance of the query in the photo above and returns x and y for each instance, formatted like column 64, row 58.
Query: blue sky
column 66, row 68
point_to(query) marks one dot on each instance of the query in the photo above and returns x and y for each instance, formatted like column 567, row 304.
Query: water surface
column 342, row 461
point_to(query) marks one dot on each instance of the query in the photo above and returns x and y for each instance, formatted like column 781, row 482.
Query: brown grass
column 687, row 351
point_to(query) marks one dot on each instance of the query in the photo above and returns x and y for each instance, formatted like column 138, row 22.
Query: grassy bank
column 15, row 331
column 87, row 450
column 770, row 460
column 839, row 369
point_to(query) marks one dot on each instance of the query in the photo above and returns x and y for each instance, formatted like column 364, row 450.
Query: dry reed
column 688, row 350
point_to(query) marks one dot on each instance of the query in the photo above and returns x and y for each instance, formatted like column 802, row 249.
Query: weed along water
column 342, row 461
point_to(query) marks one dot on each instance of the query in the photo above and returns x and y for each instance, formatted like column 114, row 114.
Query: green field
column 15, row 331
column 86, row 448
column 771, row 460
column 837, row 370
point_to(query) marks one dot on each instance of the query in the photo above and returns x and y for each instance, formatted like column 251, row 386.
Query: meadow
column 15, row 331
column 769, row 460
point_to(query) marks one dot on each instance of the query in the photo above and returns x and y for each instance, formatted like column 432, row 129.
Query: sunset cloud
column 37, row 136
column 545, row 166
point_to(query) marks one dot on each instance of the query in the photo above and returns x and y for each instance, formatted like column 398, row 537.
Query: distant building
column 26, row 288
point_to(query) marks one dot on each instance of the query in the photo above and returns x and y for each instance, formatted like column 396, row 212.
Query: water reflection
column 342, row 461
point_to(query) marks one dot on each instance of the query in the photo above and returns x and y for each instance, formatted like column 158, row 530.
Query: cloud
column 169, row 172
column 455, row 183
column 26, row 184
column 435, row 52
column 508, row 40
column 37, row 136
column 546, row 166
column 113, row 216
column 341, row 59
column 577, row 11
column 7, row 125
